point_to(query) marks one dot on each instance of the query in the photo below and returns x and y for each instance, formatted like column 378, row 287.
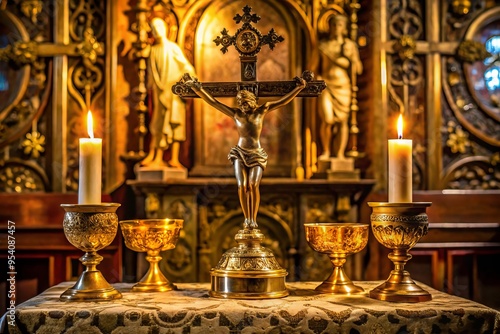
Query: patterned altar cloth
column 191, row 310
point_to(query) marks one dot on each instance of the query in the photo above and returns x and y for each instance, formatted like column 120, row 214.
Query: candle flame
column 90, row 127
column 400, row 126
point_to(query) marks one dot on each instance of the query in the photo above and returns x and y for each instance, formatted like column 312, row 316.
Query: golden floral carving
column 19, row 179
column 471, row 51
column 458, row 139
column 20, row 53
column 31, row 9
column 405, row 46
column 90, row 48
column 34, row 144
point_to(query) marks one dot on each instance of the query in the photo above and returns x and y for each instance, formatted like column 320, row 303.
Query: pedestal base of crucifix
column 248, row 271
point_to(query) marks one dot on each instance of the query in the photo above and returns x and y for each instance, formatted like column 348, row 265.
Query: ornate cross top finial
column 248, row 41
column 247, row 17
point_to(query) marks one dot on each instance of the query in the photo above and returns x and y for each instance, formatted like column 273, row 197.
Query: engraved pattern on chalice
column 91, row 232
column 152, row 236
column 337, row 240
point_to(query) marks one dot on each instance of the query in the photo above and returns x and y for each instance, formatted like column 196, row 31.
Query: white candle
column 400, row 167
column 89, row 187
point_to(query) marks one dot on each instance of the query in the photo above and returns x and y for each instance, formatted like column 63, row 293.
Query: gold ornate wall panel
column 25, row 92
column 436, row 70
column 471, row 114
column 53, row 55
column 406, row 76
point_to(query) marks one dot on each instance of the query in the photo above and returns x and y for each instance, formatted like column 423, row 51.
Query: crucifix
column 248, row 271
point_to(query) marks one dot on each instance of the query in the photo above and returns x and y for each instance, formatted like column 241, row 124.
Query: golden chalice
column 152, row 236
column 399, row 226
column 90, row 227
column 337, row 240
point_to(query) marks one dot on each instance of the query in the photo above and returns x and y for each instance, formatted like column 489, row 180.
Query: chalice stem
column 338, row 282
column 90, row 260
column 154, row 275
column 399, row 257
column 338, row 275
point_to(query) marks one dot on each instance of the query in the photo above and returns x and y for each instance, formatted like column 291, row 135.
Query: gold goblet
column 152, row 236
column 399, row 226
column 337, row 240
column 90, row 227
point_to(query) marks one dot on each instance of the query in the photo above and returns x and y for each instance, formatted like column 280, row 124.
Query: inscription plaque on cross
column 248, row 41
column 248, row 271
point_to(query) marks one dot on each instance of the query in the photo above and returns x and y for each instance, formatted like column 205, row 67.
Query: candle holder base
column 399, row 287
column 399, row 226
column 248, row 271
column 91, row 286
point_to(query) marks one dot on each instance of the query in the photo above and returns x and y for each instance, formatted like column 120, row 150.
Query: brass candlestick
column 90, row 227
column 337, row 240
column 399, row 226
column 152, row 236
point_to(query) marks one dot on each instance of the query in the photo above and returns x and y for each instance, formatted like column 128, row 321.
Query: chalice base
column 399, row 287
column 339, row 288
column 91, row 286
column 154, row 280
column 248, row 271
column 339, row 283
column 347, row 288
column 153, row 287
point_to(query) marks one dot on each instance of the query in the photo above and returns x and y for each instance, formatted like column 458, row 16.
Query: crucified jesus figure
column 248, row 157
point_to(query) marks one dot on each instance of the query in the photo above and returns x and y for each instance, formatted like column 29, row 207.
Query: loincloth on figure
column 249, row 157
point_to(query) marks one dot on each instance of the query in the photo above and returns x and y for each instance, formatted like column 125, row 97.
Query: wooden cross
column 248, row 41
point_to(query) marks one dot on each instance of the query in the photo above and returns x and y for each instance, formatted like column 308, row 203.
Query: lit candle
column 400, row 167
column 89, row 187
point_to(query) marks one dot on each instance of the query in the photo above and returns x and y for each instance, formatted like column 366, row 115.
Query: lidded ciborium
column 399, row 226
column 337, row 240
column 152, row 236
column 90, row 228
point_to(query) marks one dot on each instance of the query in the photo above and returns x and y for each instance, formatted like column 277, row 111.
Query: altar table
column 191, row 310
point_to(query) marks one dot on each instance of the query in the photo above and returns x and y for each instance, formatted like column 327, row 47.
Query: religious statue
column 167, row 64
column 340, row 64
column 248, row 157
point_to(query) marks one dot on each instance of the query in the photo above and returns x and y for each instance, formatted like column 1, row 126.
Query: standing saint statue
column 167, row 64
column 340, row 64
column 248, row 156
